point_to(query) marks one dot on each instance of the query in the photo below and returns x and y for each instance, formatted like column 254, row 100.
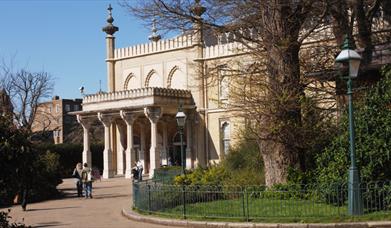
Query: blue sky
column 65, row 38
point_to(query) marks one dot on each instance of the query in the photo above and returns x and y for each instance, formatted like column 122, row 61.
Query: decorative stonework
column 148, row 78
column 105, row 119
column 153, row 113
column 128, row 117
column 110, row 29
column 135, row 93
column 85, row 123
column 126, row 84
column 170, row 74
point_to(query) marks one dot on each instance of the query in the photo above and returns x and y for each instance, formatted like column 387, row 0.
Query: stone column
column 189, row 128
column 107, row 152
column 164, row 152
column 130, row 155
column 86, row 157
column 142, row 145
column 121, row 149
column 153, row 114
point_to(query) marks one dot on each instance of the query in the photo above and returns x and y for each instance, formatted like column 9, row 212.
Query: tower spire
column 110, row 29
column 154, row 36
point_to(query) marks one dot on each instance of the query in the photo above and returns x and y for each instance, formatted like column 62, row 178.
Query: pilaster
column 86, row 124
column 153, row 114
column 107, row 152
column 130, row 155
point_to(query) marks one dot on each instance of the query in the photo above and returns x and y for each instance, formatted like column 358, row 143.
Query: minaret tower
column 110, row 29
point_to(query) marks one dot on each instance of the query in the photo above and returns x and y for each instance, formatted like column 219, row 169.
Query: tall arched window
column 223, row 83
column 226, row 136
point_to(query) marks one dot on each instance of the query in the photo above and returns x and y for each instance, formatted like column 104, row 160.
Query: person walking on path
column 77, row 172
column 140, row 170
column 86, row 178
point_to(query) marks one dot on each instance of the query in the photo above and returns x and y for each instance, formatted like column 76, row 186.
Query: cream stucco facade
column 146, row 85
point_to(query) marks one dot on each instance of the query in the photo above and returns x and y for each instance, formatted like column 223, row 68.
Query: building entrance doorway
column 175, row 151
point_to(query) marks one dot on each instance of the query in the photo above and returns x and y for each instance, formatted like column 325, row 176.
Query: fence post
column 149, row 198
column 247, row 214
column 243, row 206
column 183, row 201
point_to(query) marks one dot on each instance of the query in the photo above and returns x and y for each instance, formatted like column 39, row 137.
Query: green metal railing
column 167, row 175
column 298, row 201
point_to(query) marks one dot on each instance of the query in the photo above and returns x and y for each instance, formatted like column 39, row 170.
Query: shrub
column 71, row 154
column 242, row 166
column 373, row 139
column 24, row 166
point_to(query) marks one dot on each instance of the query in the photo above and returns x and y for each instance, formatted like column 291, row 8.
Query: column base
column 120, row 172
column 188, row 159
column 108, row 174
column 150, row 174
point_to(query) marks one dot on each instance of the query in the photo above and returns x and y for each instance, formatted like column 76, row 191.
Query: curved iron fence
column 252, row 202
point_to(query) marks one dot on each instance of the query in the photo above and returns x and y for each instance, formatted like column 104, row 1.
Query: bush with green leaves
column 242, row 166
column 70, row 154
column 372, row 116
column 23, row 166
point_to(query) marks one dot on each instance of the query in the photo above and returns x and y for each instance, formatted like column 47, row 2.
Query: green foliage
column 242, row 166
column 6, row 223
column 372, row 118
column 70, row 154
column 23, row 166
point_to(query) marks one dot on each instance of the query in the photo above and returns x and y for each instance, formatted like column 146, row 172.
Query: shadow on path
column 50, row 224
column 53, row 208
column 104, row 196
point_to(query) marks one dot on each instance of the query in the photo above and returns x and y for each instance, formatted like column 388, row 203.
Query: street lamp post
column 352, row 58
column 181, row 120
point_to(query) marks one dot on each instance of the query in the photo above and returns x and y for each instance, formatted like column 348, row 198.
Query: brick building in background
column 53, row 121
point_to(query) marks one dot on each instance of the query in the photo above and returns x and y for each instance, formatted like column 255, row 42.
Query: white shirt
column 139, row 165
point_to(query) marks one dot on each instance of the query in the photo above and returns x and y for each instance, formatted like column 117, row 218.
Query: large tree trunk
column 277, row 161
column 283, row 117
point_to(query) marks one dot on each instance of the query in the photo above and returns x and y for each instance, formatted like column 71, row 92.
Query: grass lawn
column 269, row 210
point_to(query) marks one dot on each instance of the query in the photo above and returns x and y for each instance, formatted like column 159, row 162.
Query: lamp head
column 180, row 117
column 81, row 89
column 350, row 57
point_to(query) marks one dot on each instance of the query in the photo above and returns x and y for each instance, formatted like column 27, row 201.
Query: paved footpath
column 104, row 210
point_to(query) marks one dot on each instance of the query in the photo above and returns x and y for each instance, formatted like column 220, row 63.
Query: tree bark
column 283, row 117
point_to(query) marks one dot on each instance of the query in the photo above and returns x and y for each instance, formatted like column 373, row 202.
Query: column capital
column 84, row 122
column 128, row 117
column 153, row 113
column 105, row 119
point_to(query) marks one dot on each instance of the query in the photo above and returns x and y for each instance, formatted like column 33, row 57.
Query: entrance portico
column 135, row 112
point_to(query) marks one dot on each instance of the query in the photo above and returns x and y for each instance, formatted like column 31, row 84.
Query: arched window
column 223, row 83
column 153, row 79
column 176, row 79
column 226, row 137
column 130, row 82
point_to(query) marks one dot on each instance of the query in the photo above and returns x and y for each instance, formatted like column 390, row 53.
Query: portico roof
column 136, row 99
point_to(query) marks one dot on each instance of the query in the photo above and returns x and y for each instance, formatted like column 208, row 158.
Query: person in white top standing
column 140, row 170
